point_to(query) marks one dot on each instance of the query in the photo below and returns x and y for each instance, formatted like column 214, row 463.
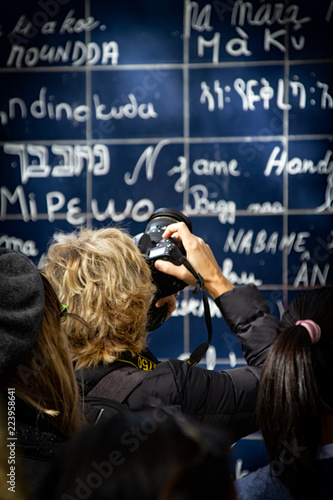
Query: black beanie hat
column 21, row 309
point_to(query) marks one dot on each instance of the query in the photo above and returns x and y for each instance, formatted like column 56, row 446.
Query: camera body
column 154, row 247
column 167, row 249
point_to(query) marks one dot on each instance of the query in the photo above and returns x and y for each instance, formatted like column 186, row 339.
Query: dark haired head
column 150, row 455
column 295, row 389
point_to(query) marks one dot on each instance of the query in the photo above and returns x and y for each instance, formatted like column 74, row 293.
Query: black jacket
column 222, row 398
column 36, row 443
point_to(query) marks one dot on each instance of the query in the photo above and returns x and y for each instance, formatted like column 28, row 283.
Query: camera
column 154, row 247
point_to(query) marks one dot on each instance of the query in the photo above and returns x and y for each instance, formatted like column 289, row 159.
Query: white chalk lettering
column 207, row 96
column 243, row 279
column 72, row 160
column 57, row 206
column 245, row 90
column 266, row 207
column 326, row 98
column 271, row 39
column 255, row 93
column 196, row 308
column 328, row 204
column 198, row 21
column 130, row 110
column 73, row 25
column 27, row 247
column 17, row 196
column 225, row 210
column 55, row 201
column 77, row 53
column 45, row 107
column 267, row 14
column 238, row 46
column 307, row 277
column 148, row 157
column 296, row 88
column 247, row 242
column 278, row 162
column 181, row 169
column 214, row 42
column 140, row 211
column 210, row 167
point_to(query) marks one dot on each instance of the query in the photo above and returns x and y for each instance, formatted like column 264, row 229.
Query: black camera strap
column 201, row 350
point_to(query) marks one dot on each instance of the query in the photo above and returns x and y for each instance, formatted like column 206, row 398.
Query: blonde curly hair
column 103, row 278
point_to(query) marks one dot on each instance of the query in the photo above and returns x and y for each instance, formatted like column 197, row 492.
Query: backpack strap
column 118, row 384
column 99, row 408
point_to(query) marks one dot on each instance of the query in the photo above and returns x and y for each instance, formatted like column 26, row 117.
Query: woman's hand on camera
column 171, row 303
column 200, row 256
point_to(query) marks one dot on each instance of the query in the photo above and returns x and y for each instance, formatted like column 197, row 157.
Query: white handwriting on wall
column 71, row 160
column 278, row 163
column 58, row 206
column 27, row 247
column 44, row 107
column 75, row 53
column 245, row 13
column 254, row 94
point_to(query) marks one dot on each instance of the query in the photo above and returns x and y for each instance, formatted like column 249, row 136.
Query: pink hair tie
column 312, row 328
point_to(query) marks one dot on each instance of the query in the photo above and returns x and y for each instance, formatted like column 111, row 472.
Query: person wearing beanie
column 37, row 380
column 21, row 309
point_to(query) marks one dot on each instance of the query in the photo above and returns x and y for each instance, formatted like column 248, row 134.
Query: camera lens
column 162, row 218
column 151, row 242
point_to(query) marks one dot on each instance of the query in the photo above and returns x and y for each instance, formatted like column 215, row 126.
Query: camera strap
column 201, row 350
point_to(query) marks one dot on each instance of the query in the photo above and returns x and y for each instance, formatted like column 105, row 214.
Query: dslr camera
column 154, row 247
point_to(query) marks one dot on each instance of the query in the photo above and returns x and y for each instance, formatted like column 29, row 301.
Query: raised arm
column 200, row 256
column 244, row 308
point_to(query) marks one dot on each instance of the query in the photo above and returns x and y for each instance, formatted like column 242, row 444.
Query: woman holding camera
column 103, row 277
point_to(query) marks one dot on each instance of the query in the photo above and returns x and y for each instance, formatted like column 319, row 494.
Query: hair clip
column 63, row 313
column 313, row 329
